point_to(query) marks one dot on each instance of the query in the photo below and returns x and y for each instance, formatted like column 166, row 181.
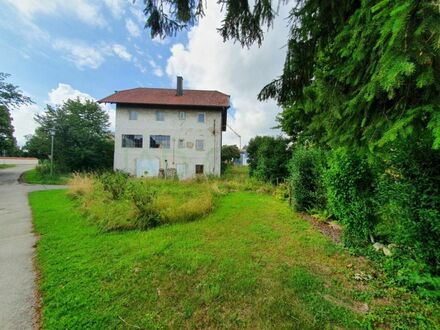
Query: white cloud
column 116, row 7
column 82, row 55
column 21, row 116
column 121, row 52
column 63, row 92
column 160, row 40
column 83, row 10
column 158, row 72
column 136, row 11
column 208, row 63
column 22, row 122
column 132, row 28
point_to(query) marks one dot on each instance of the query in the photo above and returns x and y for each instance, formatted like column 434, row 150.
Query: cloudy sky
column 57, row 50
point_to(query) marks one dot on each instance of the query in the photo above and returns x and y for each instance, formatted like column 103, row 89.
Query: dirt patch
column 355, row 307
column 330, row 230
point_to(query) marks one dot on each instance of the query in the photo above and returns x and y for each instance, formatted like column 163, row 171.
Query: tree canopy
column 82, row 137
column 10, row 97
column 358, row 73
column 229, row 153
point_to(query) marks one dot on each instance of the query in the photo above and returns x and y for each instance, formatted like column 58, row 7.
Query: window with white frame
column 132, row 115
column 201, row 117
column 160, row 141
column 200, row 145
column 181, row 143
column 182, row 115
column 160, row 115
column 131, row 141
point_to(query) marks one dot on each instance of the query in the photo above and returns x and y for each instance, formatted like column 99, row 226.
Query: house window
column 160, row 115
column 181, row 143
column 182, row 115
column 201, row 117
column 132, row 115
column 160, row 141
column 199, row 169
column 131, row 141
column 199, row 145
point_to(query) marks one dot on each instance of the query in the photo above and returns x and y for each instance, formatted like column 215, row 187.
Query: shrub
column 268, row 158
column 143, row 197
column 306, row 179
column 114, row 182
column 43, row 167
column 408, row 199
column 349, row 189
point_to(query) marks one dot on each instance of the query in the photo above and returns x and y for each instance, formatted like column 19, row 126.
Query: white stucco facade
column 184, row 134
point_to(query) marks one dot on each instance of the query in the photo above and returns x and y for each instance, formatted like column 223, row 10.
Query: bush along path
column 250, row 263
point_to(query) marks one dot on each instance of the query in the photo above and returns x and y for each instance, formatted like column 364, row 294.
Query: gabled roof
column 168, row 97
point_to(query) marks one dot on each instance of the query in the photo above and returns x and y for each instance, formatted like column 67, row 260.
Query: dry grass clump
column 80, row 184
column 115, row 201
column 118, row 202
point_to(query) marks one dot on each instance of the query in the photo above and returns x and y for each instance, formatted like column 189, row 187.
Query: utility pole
column 239, row 136
column 52, row 135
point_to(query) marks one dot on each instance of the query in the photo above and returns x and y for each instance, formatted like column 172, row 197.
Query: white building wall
column 132, row 160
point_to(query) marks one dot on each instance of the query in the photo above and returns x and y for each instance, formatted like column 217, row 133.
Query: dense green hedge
column 268, row 158
column 306, row 179
column 349, row 189
column 393, row 197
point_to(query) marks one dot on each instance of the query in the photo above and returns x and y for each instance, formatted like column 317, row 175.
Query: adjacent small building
column 169, row 131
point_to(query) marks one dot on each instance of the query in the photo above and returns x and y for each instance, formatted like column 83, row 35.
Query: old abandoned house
column 166, row 131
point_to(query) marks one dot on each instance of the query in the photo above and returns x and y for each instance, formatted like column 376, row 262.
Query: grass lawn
column 4, row 166
column 251, row 263
column 35, row 177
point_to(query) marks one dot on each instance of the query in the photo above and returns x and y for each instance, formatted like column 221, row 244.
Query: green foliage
column 82, row 140
column 10, row 97
column 306, row 178
column 375, row 72
column 268, row 157
column 243, row 19
column 229, row 153
column 349, row 184
column 115, row 183
column 143, row 196
column 41, row 175
column 408, row 198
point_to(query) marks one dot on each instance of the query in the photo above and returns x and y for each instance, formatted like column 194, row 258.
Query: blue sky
column 59, row 49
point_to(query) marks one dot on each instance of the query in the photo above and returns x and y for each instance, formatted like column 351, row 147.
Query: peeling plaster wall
column 127, row 159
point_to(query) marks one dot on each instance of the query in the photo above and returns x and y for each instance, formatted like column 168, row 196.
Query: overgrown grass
column 36, row 177
column 5, row 166
column 251, row 263
column 117, row 202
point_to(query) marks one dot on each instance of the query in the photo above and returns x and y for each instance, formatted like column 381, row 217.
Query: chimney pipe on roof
column 179, row 91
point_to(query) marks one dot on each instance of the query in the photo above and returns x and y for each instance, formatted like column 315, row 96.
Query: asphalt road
column 17, row 241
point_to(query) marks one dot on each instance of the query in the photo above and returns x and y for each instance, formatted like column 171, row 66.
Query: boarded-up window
column 131, row 141
column 199, row 169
